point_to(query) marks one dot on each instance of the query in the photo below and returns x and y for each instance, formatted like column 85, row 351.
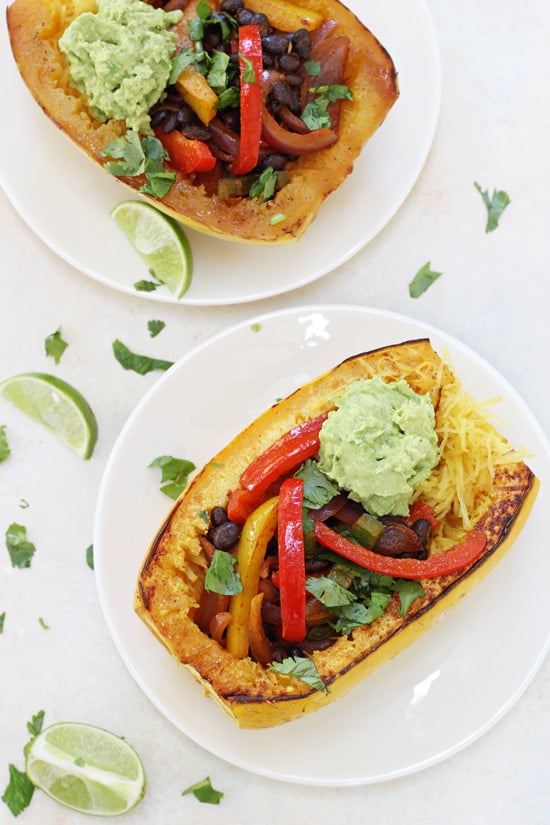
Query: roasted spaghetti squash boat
column 260, row 113
column 280, row 586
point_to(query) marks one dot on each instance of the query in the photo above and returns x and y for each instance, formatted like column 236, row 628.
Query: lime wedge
column 86, row 768
column 57, row 405
column 160, row 241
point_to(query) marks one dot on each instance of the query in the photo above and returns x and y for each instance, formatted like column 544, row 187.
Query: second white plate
column 437, row 696
column 68, row 205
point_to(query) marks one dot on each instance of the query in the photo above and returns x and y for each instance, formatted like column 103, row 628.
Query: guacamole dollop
column 120, row 59
column 379, row 444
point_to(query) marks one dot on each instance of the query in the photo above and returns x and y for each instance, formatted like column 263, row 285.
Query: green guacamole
column 120, row 59
column 379, row 444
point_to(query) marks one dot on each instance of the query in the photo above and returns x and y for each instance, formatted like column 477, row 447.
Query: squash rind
column 35, row 27
column 171, row 577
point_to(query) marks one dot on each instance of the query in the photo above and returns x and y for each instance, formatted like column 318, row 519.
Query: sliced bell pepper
column 438, row 564
column 198, row 94
column 284, row 455
column 294, row 143
column 250, row 74
column 255, row 535
column 186, row 154
column 242, row 504
column 292, row 575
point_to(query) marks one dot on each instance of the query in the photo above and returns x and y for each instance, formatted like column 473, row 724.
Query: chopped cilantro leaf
column 423, row 279
column 264, row 188
column 34, row 727
column 20, row 549
column 301, row 668
column 132, row 156
column 217, row 71
column 496, row 204
column 315, row 114
column 249, row 75
column 312, row 67
column 4, row 446
column 2, row 620
column 43, row 623
column 204, row 792
column 23, row 503
column 255, row 327
column 146, row 286
column 141, row 364
column 175, row 473
column 229, row 98
column 155, row 327
column 90, row 556
column 318, row 489
column 329, row 592
column 408, row 591
column 19, row 791
column 55, row 346
column 180, row 62
column 221, row 577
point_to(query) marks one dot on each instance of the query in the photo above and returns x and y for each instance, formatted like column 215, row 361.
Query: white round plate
column 437, row 696
column 66, row 199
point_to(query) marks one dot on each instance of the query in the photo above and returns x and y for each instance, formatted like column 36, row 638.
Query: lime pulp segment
column 86, row 768
column 57, row 405
column 159, row 240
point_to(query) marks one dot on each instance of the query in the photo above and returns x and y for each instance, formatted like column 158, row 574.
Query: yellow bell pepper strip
column 286, row 16
column 250, row 74
column 292, row 573
column 193, row 87
column 438, row 564
column 261, row 647
column 256, row 533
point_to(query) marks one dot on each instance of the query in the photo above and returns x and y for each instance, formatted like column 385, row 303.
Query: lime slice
column 160, row 241
column 57, row 405
column 86, row 768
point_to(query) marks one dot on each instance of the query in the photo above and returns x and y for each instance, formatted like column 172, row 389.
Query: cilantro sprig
column 55, row 346
column 19, row 791
column 495, row 204
column 222, row 576
column 132, row 156
column 175, row 473
column 303, row 668
column 423, row 279
column 142, row 364
column 20, row 549
column 315, row 114
column 204, row 792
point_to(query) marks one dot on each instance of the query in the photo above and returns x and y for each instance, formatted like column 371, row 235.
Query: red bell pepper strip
column 439, row 564
column 187, row 155
column 420, row 509
column 250, row 63
column 294, row 143
column 242, row 504
column 284, row 455
column 292, row 575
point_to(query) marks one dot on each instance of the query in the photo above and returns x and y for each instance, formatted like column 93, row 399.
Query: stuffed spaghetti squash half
column 331, row 533
column 236, row 119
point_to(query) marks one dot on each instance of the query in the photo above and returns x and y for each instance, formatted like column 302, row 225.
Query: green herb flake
column 278, row 217
column 255, row 327
column 175, row 473
column 496, row 204
column 23, row 503
column 312, row 67
column 55, row 346
column 222, row 577
column 146, row 286
column 155, row 327
column 408, row 591
column 79, row 762
column 2, row 620
column 131, row 156
column 301, row 668
column 204, row 792
column 264, row 188
column 90, row 556
column 329, row 592
column 43, row 623
column 204, row 516
column 20, row 549
column 248, row 75
column 19, row 791
column 5, row 451
column 141, row 364
column 34, row 727
column 318, row 489
column 423, row 279
column 316, row 114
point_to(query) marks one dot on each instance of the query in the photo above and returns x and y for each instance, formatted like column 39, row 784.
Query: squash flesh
column 35, row 27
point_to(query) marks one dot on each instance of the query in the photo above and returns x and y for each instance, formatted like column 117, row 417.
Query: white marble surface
column 494, row 296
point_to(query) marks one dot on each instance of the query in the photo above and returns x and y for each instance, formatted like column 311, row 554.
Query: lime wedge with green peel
column 86, row 768
column 160, row 241
column 57, row 405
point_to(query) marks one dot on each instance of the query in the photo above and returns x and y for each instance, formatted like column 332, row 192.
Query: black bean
column 277, row 162
column 294, row 80
column 157, row 117
column 169, row 122
column 231, row 6
column 275, row 43
column 289, row 62
column 302, row 43
column 218, row 515
column 280, row 93
column 267, row 60
column 262, row 22
column 423, row 530
column 244, row 17
column 225, row 536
